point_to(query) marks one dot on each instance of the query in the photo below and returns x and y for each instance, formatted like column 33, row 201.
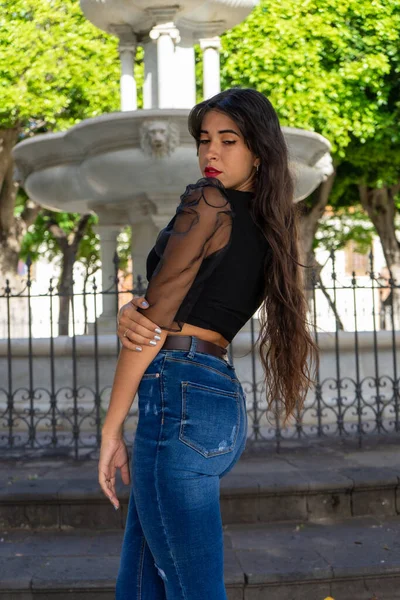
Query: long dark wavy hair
column 286, row 346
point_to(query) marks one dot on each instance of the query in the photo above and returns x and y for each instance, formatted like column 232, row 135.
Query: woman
column 230, row 248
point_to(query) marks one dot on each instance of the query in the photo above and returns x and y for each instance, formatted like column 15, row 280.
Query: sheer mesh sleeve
column 201, row 227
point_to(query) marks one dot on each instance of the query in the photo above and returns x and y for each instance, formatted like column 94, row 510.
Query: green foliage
column 55, row 66
column 56, row 69
column 139, row 74
column 198, row 57
column 39, row 240
column 20, row 201
column 331, row 66
column 335, row 231
column 124, row 249
column 89, row 248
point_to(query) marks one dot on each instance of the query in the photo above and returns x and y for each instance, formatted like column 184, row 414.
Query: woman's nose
column 212, row 151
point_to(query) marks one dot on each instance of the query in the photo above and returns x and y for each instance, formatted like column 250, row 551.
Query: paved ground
column 297, row 457
column 355, row 558
column 360, row 550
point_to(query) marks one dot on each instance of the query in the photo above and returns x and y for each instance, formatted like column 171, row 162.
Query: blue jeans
column 191, row 431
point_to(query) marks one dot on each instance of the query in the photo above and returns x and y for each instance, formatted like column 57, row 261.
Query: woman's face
column 223, row 153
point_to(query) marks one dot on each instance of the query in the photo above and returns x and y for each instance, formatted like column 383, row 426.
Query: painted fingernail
column 153, row 343
column 157, row 337
column 157, row 330
column 138, row 348
column 144, row 303
column 115, row 506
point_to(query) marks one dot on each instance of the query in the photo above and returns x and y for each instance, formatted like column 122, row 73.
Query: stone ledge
column 245, row 498
column 309, row 561
column 73, row 491
column 304, row 483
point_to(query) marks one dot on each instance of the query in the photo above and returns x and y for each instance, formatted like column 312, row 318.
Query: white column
column 108, row 245
column 144, row 235
column 211, row 66
column 127, row 50
column 185, row 84
column 150, row 86
column 165, row 36
column 127, row 81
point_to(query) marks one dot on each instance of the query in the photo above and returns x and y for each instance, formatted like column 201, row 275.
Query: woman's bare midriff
column 204, row 334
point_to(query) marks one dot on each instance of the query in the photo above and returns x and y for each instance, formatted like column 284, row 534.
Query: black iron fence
column 54, row 389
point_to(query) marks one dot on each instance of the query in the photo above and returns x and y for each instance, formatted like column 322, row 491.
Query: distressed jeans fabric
column 191, row 431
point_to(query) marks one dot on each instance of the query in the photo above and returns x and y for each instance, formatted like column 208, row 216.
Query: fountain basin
column 195, row 19
column 126, row 157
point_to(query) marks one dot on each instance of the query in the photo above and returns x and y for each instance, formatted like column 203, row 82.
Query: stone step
column 306, row 484
column 348, row 559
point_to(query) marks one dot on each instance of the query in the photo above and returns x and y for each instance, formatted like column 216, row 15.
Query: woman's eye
column 227, row 142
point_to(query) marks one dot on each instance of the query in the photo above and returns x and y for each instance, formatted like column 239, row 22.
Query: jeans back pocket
column 210, row 418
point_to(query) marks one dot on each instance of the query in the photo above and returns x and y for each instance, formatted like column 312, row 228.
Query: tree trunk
column 10, row 235
column 85, row 306
column 308, row 225
column 381, row 209
column 69, row 246
column 12, row 229
column 332, row 305
column 310, row 216
column 65, row 289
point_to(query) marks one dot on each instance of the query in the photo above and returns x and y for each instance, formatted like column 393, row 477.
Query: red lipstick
column 211, row 172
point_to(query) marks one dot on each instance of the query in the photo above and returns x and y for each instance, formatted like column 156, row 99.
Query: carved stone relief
column 158, row 138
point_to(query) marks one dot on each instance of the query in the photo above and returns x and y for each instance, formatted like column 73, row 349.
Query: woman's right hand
column 134, row 329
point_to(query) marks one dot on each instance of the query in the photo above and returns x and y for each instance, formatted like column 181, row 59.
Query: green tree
column 70, row 237
column 56, row 69
column 331, row 66
column 327, row 65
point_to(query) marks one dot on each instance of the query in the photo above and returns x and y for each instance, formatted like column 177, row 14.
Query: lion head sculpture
column 158, row 138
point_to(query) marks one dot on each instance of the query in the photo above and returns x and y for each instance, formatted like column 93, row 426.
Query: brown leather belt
column 183, row 342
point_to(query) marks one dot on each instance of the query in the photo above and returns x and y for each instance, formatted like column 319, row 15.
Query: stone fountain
column 124, row 165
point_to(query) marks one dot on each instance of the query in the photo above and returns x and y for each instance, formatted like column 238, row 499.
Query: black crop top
column 207, row 265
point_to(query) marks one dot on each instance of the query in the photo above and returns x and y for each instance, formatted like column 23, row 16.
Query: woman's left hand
column 113, row 456
column 134, row 329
